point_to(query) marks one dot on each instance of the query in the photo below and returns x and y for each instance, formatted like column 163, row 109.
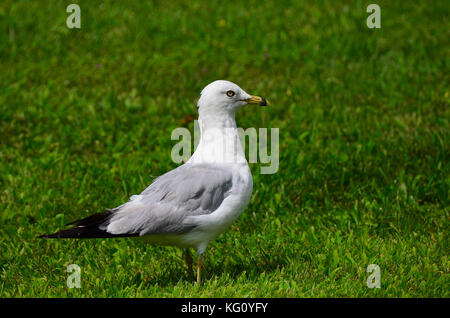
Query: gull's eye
column 230, row 93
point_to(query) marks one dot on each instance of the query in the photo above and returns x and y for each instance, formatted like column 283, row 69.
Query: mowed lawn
column 86, row 117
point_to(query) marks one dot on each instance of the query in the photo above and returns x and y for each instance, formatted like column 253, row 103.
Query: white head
column 224, row 96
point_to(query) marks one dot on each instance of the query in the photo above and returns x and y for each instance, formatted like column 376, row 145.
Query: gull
column 189, row 206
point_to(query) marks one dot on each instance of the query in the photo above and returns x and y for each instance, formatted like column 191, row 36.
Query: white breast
column 221, row 146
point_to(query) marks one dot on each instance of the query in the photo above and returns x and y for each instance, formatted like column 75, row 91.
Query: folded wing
column 189, row 190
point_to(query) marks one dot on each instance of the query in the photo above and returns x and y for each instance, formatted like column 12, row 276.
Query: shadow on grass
column 177, row 271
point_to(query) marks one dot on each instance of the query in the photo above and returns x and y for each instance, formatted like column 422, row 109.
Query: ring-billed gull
column 192, row 204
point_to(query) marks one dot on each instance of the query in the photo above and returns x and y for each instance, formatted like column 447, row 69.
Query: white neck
column 219, row 140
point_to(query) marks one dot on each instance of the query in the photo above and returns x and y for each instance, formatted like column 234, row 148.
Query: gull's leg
column 189, row 260
column 199, row 266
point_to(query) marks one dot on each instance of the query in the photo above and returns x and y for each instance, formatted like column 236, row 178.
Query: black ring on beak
column 263, row 102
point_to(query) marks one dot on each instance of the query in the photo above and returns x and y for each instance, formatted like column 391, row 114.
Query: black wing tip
column 93, row 219
column 88, row 227
column 68, row 233
column 84, row 232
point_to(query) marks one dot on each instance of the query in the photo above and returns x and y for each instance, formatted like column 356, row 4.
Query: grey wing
column 189, row 190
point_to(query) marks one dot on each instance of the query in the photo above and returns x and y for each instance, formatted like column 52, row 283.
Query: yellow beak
column 261, row 101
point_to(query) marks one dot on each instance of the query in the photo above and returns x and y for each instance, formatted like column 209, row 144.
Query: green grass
column 86, row 117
